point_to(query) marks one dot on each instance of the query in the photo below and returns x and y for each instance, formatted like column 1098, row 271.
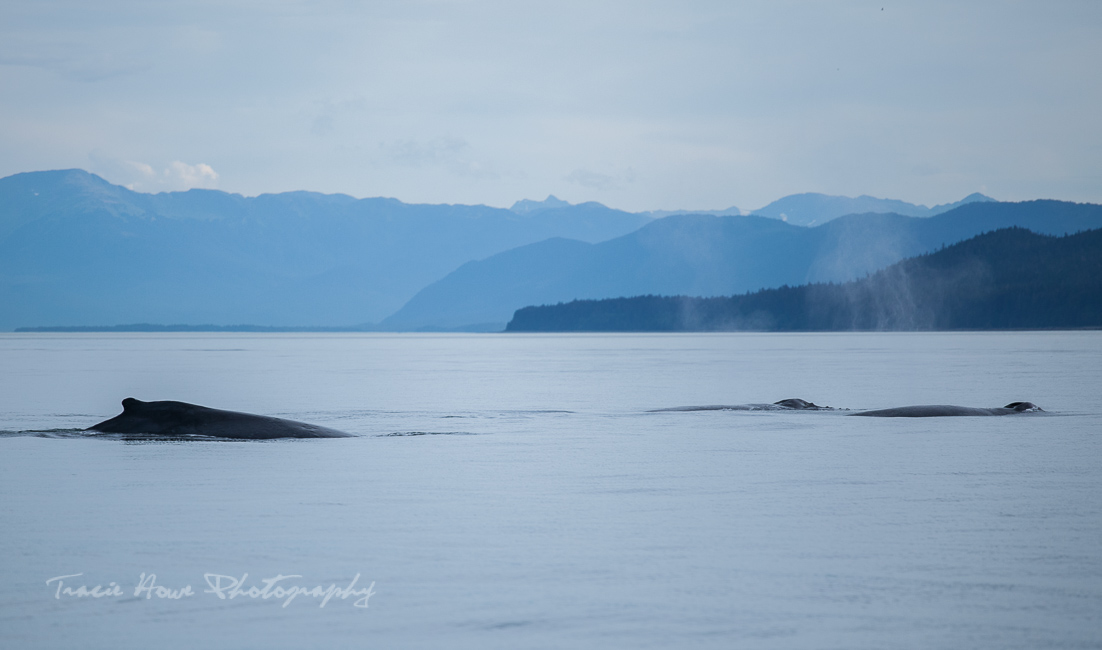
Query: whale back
column 800, row 405
column 793, row 404
column 169, row 418
column 947, row 410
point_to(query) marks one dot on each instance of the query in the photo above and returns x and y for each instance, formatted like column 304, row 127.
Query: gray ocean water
column 515, row 492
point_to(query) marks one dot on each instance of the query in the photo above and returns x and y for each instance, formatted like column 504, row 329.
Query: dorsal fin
column 131, row 403
column 796, row 403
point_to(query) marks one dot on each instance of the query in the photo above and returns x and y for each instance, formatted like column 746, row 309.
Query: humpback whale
column 923, row 411
column 942, row 410
column 182, row 419
column 793, row 404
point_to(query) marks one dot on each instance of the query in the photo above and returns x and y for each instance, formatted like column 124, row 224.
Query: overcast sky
column 639, row 105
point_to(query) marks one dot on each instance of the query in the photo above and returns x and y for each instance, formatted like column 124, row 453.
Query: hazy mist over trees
column 1006, row 279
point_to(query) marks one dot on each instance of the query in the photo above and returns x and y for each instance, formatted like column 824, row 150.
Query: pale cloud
column 325, row 115
column 592, row 180
column 417, row 153
column 144, row 177
column 322, row 125
column 601, row 182
column 450, row 153
column 145, row 170
column 187, row 176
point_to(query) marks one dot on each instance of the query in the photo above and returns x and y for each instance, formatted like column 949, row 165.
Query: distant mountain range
column 78, row 251
column 816, row 209
column 713, row 256
column 552, row 202
column 1009, row 278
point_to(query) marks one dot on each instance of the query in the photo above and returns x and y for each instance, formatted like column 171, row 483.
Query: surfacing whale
column 944, row 410
column 923, row 411
column 793, row 404
column 182, row 419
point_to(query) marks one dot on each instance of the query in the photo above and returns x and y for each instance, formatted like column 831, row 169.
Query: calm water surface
column 514, row 492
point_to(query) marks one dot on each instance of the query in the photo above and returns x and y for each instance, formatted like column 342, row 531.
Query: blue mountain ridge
column 693, row 255
column 77, row 250
column 811, row 209
column 1004, row 279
